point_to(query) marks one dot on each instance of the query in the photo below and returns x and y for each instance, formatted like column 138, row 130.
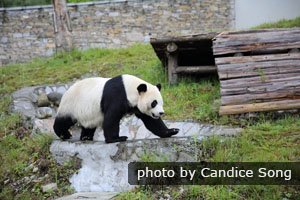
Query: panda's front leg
column 111, row 128
column 157, row 126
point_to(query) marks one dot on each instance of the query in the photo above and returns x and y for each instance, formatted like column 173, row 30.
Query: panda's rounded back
column 82, row 101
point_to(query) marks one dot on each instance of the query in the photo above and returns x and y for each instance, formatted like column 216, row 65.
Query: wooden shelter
column 187, row 54
column 259, row 70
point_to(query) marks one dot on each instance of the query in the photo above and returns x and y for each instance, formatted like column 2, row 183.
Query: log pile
column 259, row 70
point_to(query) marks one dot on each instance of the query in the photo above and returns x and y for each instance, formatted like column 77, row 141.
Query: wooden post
column 172, row 62
column 63, row 36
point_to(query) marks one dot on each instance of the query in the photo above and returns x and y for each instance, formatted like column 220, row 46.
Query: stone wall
column 29, row 32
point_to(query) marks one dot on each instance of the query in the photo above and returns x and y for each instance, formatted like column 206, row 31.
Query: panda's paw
column 119, row 139
column 170, row 132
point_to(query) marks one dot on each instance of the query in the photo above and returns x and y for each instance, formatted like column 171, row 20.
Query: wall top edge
column 42, row 7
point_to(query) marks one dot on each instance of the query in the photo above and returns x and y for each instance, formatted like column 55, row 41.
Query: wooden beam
column 172, row 65
column 251, row 41
column 267, row 106
column 258, row 98
column 196, row 69
column 187, row 38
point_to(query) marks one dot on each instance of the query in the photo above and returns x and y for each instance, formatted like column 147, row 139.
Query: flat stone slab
column 105, row 166
column 90, row 196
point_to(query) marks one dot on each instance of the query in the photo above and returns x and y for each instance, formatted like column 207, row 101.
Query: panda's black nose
column 161, row 113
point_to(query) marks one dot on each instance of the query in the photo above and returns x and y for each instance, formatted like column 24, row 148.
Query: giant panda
column 94, row 102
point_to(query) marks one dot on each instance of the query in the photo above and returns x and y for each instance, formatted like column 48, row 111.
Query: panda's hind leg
column 62, row 125
column 87, row 133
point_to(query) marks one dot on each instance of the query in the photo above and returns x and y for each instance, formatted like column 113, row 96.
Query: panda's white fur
column 82, row 101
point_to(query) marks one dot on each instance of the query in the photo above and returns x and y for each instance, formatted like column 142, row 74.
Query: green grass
column 267, row 138
column 284, row 23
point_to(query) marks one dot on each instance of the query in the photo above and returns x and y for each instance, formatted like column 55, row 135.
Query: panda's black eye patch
column 153, row 104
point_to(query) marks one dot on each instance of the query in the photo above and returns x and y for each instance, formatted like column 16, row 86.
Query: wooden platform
column 186, row 55
column 259, row 70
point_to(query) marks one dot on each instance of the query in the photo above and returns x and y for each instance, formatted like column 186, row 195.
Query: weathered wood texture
column 251, row 83
column 63, row 35
column 256, row 40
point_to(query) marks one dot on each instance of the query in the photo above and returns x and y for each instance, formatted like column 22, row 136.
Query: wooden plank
column 172, row 65
column 266, row 106
column 187, row 38
column 263, row 97
column 268, row 87
column 257, row 69
column 196, row 69
column 260, row 58
column 258, row 80
column 277, row 39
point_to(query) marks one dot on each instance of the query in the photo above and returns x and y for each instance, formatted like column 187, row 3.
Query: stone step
column 105, row 166
column 90, row 195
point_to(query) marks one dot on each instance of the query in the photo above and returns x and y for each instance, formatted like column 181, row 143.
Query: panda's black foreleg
column 111, row 128
column 62, row 125
column 87, row 133
column 157, row 126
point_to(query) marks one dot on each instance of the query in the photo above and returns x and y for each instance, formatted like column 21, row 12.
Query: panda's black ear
column 142, row 88
column 158, row 86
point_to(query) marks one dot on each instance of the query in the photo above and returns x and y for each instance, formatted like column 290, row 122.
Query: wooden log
column 196, row 69
column 172, row 65
column 267, row 106
column 263, row 97
column 268, row 87
column 249, row 41
column 260, row 58
column 187, row 38
column 258, row 69
column 258, row 80
column 296, row 51
column 172, row 47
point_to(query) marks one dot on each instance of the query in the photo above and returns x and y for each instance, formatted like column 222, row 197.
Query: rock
column 61, row 90
column 49, row 187
column 48, row 90
column 43, row 112
column 43, row 100
column 55, row 97
column 40, row 90
column 35, row 169
column 43, row 126
column 23, row 102
column 90, row 195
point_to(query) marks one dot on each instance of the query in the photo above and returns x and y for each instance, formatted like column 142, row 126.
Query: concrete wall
column 26, row 33
column 251, row 13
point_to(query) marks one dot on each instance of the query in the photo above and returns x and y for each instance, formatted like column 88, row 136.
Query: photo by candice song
column 221, row 173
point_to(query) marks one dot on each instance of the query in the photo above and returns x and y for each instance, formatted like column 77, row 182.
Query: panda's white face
column 151, row 103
